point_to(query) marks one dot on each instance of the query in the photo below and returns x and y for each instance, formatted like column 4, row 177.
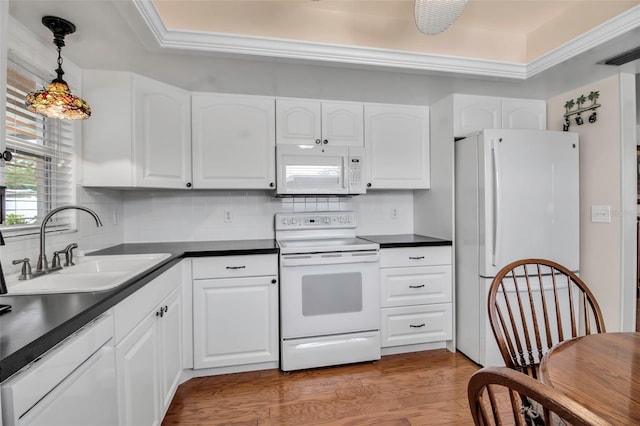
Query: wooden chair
column 535, row 304
column 503, row 396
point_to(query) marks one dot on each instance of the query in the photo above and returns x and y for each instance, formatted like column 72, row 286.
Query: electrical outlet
column 601, row 214
column 228, row 216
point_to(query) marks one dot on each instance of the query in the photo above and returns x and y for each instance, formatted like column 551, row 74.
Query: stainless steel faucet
column 3, row 283
column 43, row 265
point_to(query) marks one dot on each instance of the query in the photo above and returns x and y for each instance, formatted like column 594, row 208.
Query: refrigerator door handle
column 497, row 203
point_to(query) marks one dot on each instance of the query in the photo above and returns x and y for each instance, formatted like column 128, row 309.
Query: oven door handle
column 327, row 259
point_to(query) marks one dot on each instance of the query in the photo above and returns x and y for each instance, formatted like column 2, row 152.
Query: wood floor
column 421, row 388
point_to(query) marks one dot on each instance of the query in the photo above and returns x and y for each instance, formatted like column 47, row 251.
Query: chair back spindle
column 534, row 304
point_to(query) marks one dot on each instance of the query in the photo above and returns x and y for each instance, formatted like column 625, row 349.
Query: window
column 39, row 178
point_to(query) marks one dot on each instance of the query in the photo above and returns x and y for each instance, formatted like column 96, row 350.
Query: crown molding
column 354, row 55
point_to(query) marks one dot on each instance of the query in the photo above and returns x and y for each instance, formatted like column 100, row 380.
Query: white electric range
column 329, row 291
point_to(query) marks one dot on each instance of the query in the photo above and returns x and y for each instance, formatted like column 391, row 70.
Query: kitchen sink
column 91, row 273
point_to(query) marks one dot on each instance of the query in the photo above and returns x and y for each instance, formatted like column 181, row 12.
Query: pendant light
column 434, row 16
column 56, row 100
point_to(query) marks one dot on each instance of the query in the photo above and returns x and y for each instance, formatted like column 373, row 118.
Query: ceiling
column 517, row 31
column 531, row 48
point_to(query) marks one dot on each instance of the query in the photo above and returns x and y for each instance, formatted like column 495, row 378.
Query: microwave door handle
column 345, row 173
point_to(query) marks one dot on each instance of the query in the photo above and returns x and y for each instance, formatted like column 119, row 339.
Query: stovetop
column 320, row 245
column 319, row 232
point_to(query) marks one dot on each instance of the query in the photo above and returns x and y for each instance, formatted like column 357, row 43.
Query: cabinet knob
column 416, row 257
column 416, row 286
column 369, row 185
column 188, row 184
column 271, row 185
column 417, row 326
column 273, row 281
column 318, row 141
column 325, row 141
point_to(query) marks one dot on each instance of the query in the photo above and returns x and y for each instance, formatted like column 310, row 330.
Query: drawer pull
column 416, row 286
column 416, row 257
column 417, row 326
column 236, row 267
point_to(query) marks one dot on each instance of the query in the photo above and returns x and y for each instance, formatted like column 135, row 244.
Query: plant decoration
column 580, row 108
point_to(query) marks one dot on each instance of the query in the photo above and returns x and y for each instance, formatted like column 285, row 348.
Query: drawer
column 415, row 286
column 415, row 256
column 416, row 324
column 235, row 266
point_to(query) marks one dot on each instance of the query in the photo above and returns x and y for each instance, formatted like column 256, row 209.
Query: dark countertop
column 405, row 240
column 36, row 323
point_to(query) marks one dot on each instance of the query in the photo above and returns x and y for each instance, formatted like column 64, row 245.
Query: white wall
column 151, row 216
column 602, row 177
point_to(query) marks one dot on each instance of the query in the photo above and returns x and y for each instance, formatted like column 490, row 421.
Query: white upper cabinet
column 524, row 114
column 233, row 141
column 397, row 146
column 310, row 122
column 139, row 134
column 473, row 113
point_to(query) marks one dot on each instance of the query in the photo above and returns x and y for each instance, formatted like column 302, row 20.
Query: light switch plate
column 601, row 214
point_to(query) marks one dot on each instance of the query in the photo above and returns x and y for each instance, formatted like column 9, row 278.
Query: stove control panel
column 320, row 220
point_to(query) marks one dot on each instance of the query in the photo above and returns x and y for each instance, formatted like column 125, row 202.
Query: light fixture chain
column 59, row 71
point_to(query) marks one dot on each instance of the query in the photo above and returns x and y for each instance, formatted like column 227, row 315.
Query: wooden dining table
column 601, row 372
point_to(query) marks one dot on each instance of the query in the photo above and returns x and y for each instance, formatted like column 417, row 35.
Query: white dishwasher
column 72, row 384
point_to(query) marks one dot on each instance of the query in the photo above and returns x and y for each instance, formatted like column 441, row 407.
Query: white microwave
column 318, row 170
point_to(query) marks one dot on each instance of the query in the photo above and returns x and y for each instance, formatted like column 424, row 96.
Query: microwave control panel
column 356, row 171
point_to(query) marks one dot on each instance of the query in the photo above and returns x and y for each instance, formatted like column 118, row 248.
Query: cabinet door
column 235, row 321
column 298, row 122
column 170, row 341
column 162, row 135
column 524, row 114
column 474, row 113
column 137, row 366
column 397, row 145
column 233, row 141
column 342, row 124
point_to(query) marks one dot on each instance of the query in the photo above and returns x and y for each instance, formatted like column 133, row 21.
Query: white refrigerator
column 516, row 197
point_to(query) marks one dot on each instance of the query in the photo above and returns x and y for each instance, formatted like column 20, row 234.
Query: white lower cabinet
column 74, row 383
column 416, row 295
column 235, row 310
column 149, row 349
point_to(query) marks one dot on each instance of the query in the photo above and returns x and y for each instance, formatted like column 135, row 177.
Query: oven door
column 329, row 293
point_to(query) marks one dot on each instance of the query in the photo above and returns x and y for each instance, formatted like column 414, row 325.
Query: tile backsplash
column 233, row 215
column 171, row 215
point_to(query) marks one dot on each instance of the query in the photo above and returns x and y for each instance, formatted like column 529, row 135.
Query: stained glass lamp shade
column 56, row 100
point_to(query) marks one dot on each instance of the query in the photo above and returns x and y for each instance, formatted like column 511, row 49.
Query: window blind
column 39, row 178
